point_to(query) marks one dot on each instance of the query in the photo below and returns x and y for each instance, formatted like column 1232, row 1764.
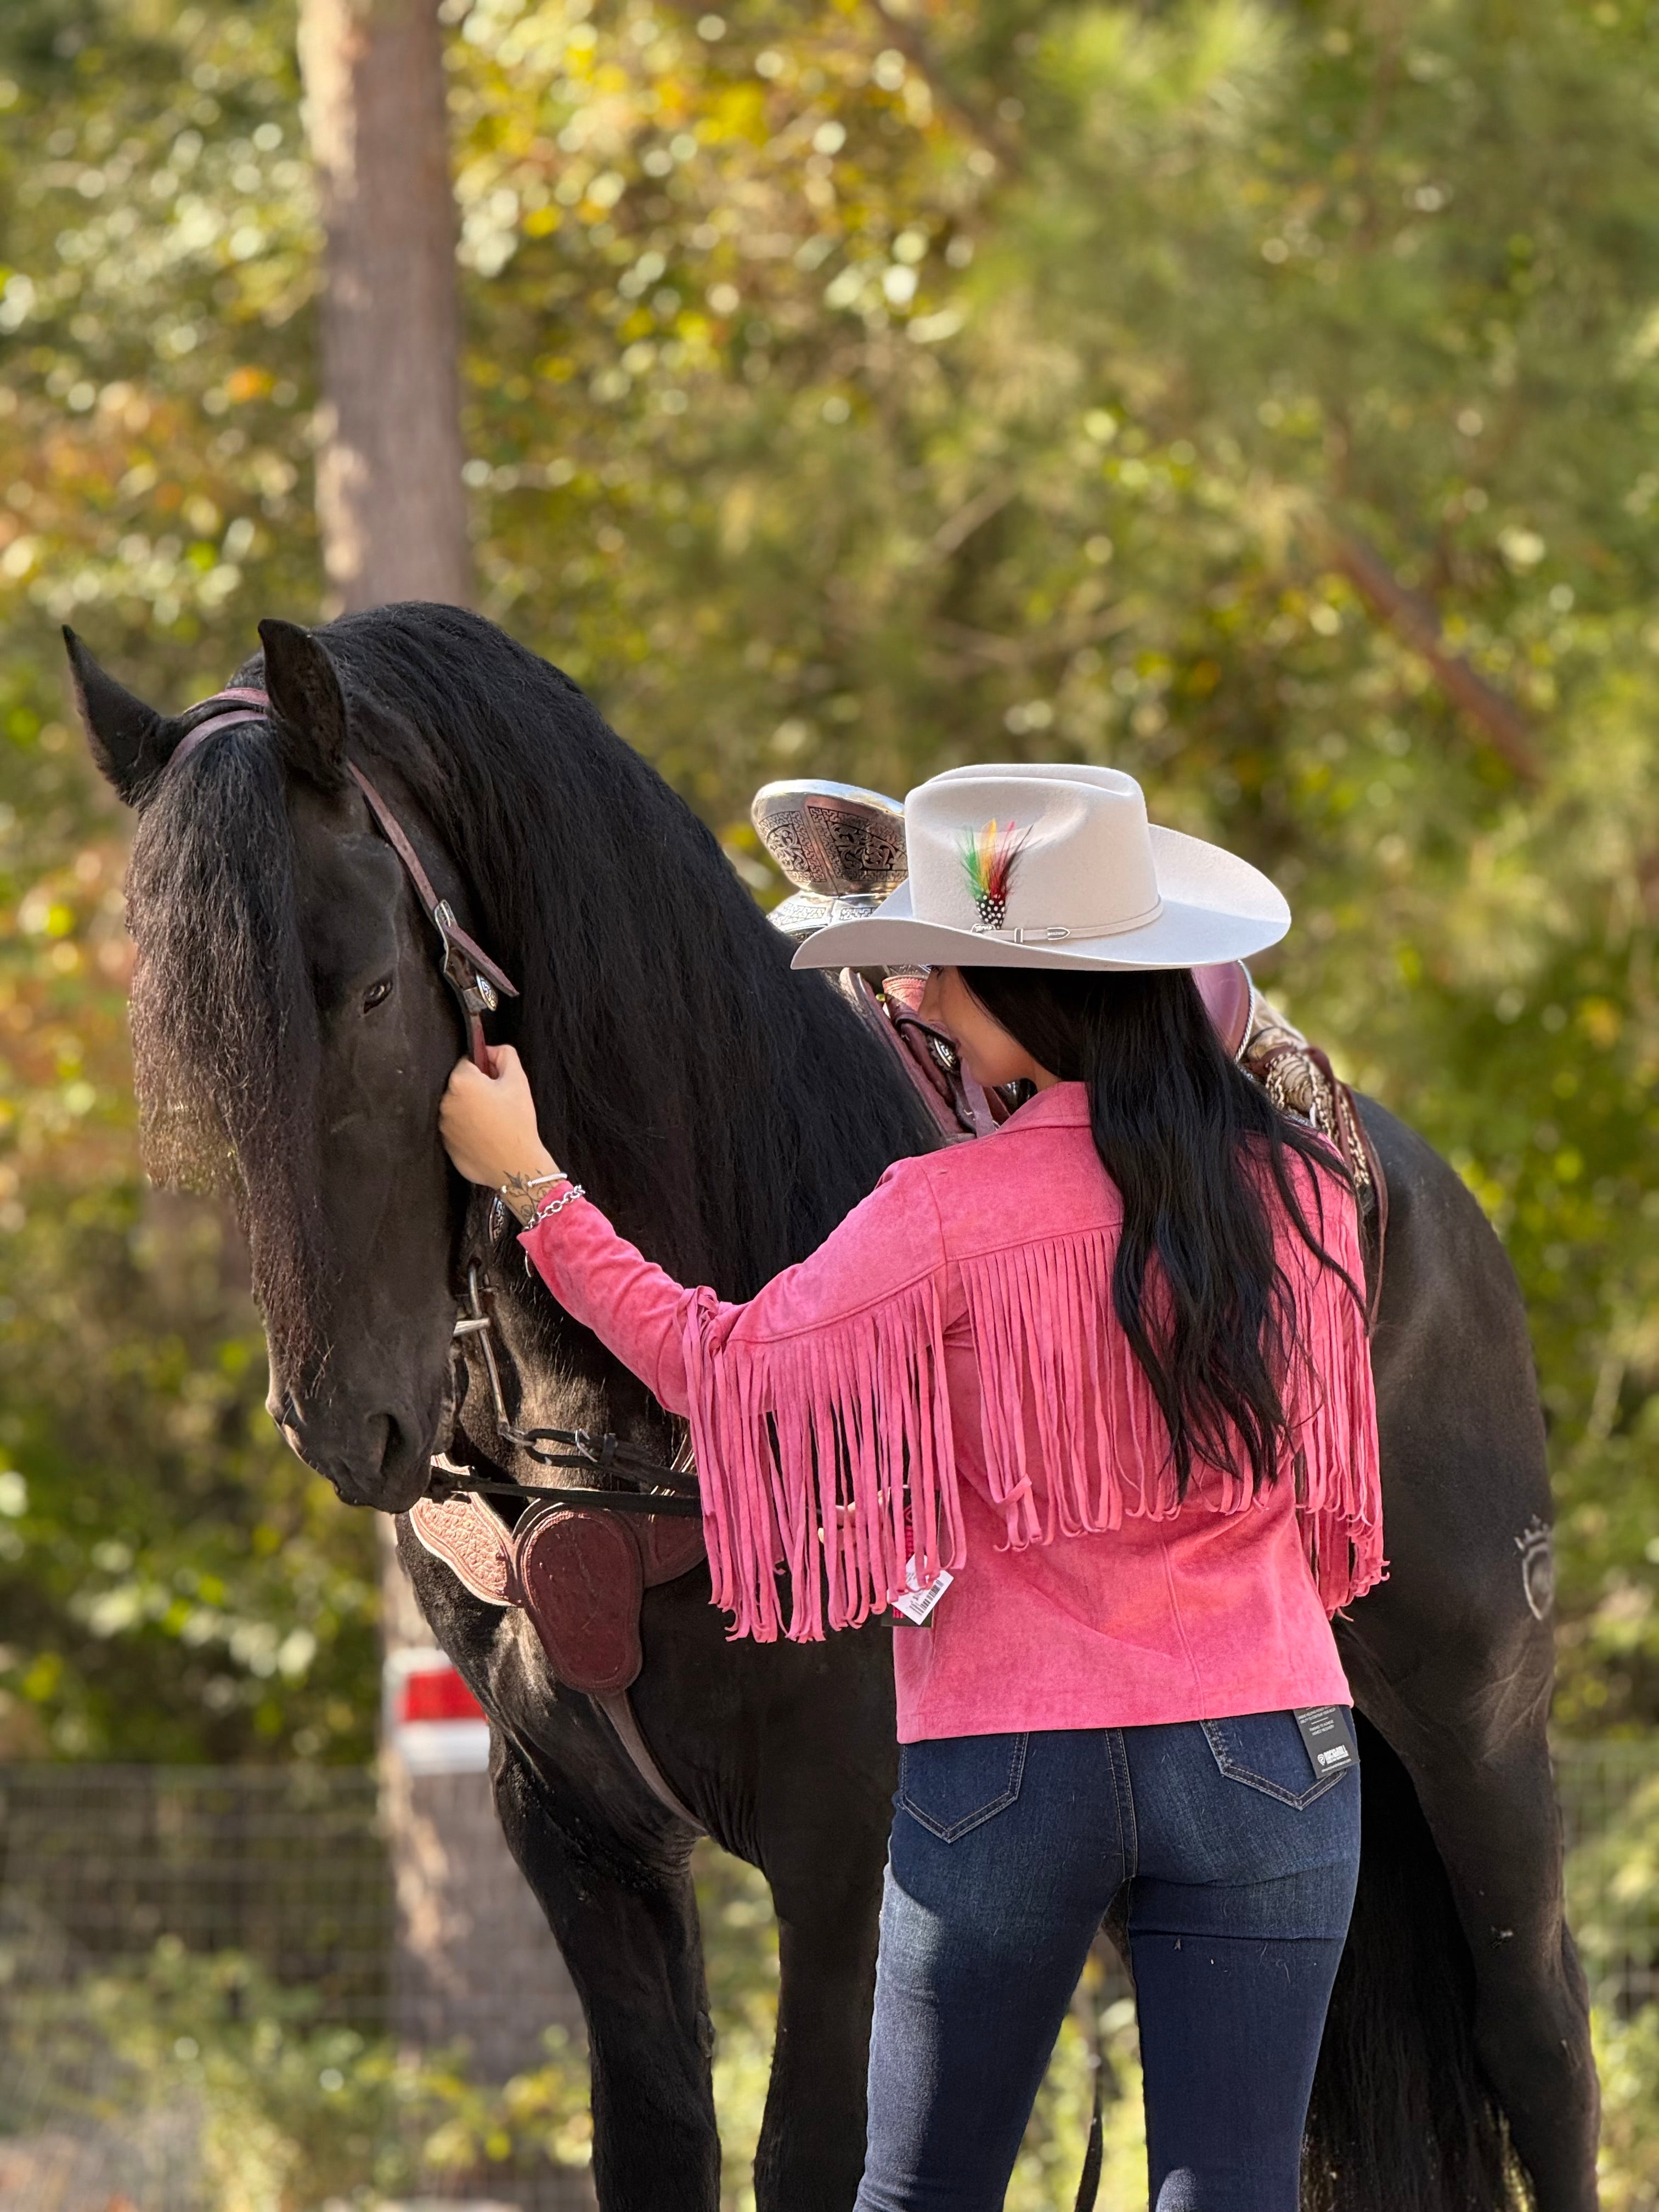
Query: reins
column 478, row 985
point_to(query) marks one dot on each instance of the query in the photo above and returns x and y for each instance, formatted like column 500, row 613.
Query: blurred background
column 1262, row 398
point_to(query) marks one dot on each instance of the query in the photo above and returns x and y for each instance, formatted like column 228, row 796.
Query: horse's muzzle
column 381, row 1460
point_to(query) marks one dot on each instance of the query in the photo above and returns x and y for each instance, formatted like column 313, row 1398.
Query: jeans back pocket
column 952, row 1784
column 1265, row 1752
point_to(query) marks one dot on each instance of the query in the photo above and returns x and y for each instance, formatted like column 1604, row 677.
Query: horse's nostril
column 403, row 1465
column 397, row 1448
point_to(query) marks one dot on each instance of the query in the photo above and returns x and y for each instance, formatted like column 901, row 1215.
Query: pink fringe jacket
column 945, row 1377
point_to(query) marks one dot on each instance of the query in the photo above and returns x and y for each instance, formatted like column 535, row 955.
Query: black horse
column 289, row 1023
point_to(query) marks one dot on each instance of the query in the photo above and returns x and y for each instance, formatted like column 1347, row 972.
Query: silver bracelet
column 549, row 1207
column 518, row 1195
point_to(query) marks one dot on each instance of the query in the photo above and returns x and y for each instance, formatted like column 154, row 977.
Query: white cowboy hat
column 1054, row 866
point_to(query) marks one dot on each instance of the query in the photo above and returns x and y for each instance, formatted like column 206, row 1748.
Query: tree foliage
column 175, row 1586
column 854, row 390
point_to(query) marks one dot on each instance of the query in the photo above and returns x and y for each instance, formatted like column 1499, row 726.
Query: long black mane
column 725, row 1112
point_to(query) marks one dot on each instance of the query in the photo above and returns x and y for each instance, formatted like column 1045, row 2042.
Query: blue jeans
column 1008, row 1850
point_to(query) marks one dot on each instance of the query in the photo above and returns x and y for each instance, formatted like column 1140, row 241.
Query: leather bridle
column 478, row 985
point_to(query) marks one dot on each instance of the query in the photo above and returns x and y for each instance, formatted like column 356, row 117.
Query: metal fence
column 287, row 1868
column 102, row 1865
column 285, row 1864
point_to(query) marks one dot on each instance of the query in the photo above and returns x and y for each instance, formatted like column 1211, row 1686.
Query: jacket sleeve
column 630, row 1304
column 818, row 1410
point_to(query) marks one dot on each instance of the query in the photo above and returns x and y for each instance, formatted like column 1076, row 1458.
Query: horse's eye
column 377, row 993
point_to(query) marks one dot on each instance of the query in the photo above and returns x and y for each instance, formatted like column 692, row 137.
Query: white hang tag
column 917, row 1603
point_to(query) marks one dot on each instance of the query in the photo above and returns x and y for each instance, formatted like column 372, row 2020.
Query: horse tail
column 1402, row 2117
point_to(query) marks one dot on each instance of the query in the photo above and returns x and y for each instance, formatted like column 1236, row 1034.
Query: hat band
column 1056, row 932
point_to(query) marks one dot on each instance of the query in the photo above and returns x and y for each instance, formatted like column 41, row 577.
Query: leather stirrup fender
column 582, row 1581
column 959, row 1106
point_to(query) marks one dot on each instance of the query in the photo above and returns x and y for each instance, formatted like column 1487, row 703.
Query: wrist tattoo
column 521, row 1194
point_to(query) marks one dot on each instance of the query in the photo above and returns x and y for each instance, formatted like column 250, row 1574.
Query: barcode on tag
column 917, row 1603
column 1327, row 1732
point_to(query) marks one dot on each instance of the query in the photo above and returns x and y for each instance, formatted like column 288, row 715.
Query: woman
column 1092, row 1398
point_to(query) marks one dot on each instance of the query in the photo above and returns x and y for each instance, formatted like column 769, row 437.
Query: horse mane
column 725, row 1112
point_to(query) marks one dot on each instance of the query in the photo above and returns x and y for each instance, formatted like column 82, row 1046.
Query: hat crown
column 1011, row 849
column 1052, row 864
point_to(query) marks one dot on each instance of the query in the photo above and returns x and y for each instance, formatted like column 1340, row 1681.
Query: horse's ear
column 307, row 701
column 130, row 741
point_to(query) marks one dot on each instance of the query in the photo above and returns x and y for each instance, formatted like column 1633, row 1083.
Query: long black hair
column 1192, row 1144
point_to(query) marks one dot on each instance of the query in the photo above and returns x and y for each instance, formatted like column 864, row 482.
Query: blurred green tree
column 172, row 1585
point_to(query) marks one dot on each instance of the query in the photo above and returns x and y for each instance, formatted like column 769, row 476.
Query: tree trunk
column 475, row 1962
column 390, row 499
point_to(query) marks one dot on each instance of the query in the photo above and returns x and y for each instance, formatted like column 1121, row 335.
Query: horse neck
column 725, row 1112
column 705, row 1102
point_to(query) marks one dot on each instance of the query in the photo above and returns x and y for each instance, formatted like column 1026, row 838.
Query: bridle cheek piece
column 478, row 986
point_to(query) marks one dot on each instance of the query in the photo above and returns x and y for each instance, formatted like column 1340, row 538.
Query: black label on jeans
column 1327, row 1731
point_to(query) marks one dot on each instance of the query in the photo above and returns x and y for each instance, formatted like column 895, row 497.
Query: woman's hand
column 488, row 1122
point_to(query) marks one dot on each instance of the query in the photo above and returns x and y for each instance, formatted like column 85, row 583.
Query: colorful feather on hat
column 988, row 859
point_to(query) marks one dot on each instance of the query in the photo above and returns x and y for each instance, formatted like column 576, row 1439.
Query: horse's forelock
column 223, row 1020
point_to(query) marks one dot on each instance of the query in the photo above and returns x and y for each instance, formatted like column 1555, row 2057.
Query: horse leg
column 626, row 1921
column 825, row 1874
column 1499, row 1837
column 810, row 2151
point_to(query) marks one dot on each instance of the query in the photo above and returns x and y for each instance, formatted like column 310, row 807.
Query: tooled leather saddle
column 580, row 1574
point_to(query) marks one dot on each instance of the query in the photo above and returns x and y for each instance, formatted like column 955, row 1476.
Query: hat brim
column 1215, row 907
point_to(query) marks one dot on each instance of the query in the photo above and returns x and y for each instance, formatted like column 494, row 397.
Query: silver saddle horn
column 841, row 846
